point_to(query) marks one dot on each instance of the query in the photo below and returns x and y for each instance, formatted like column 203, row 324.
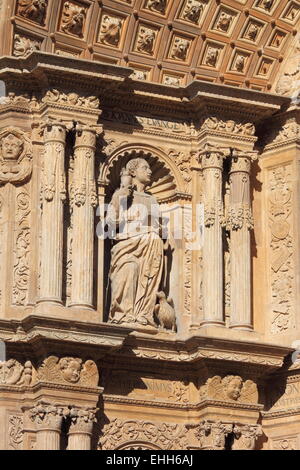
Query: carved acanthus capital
column 82, row 420
column 241, row 160
column 212, row 157
column 212, row 435
column 15, row 156
column 246, row 436
column 231, row 388
column 47, row 416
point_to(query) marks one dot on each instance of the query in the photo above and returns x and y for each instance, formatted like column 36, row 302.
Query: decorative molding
column 15, row 432
column 281, row 249
column 213, row 123
column 71, row 99
column 119, row 433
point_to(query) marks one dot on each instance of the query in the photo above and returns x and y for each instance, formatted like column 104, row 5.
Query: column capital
column 82, row 420
column 241, row 160
column 54, row 131
column 212, row 157
column 246, row 436
column 212, row 434
column 47, row 416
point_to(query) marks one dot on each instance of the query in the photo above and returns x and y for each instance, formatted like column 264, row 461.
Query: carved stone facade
column 149, row 225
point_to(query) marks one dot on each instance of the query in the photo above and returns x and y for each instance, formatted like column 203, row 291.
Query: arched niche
column 138, row 445
column 168, row 187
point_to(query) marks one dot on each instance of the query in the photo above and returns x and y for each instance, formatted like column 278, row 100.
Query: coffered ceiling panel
column 235, row 42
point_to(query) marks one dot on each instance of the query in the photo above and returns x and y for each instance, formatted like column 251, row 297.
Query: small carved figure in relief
column 180, row 49
column 252, row 32
column 110, row 32
column 233, row 385
column 73, row 18
column 212, row 56
column 193, row 11
column 173, row 81
column 266, row 4
column 240, row 63
column 34, row 10
column 137, row 257
column 157, row 5
column 145, row 40
column 224, row 22
column 139, row 75
column 15, row 164
column 165, row 313
column 10, row 372
column 23, row 46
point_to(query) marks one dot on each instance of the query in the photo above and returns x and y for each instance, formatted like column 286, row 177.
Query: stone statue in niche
column 137, row 257
column 15, row 157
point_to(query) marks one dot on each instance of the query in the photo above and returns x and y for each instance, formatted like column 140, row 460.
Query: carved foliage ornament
column 281, row 248
column 245, row 436
column 212, row 435
column 82, row 419
column 45, row 415
column 15, row 432
column 230, row 388
column 165, row 436
column 34, row 10
column 69, row 370
column 15, row 156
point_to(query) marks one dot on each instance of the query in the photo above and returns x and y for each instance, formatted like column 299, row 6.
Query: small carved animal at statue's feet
column 165, row 313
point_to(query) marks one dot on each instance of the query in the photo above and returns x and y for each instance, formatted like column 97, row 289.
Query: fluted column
column 83, row 200
column 53, row 194
column 240, row 223
column 48, row 420
column 80, row 433
column 212, row 164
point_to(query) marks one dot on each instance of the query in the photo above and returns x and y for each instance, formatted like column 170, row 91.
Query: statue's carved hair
column 133, row 164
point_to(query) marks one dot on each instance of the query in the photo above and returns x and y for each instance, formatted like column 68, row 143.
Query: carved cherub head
column 11, row 147
column 232, row 385
column 70, row 368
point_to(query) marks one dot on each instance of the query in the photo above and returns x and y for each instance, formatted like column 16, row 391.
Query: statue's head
column 70, row 368
column 140, row 170
column 233, row 385
column 11, row 147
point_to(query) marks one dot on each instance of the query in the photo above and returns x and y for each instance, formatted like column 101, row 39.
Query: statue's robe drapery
column 136, row 260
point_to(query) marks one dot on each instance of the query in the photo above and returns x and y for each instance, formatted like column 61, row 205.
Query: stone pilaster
column 80, row 433
column 53, row 194
column 245, row 436
column 240, row 223
column 48, row 420
column 212, row 164
column 212, row 435
column 84, row 201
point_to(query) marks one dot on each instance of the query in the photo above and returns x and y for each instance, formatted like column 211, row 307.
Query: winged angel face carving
column 230, row 388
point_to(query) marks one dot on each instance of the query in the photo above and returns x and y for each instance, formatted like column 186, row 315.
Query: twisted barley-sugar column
column 81, row 428
column 84, row 201
column 53, row 196
column 212, row 165
column 240, row 223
